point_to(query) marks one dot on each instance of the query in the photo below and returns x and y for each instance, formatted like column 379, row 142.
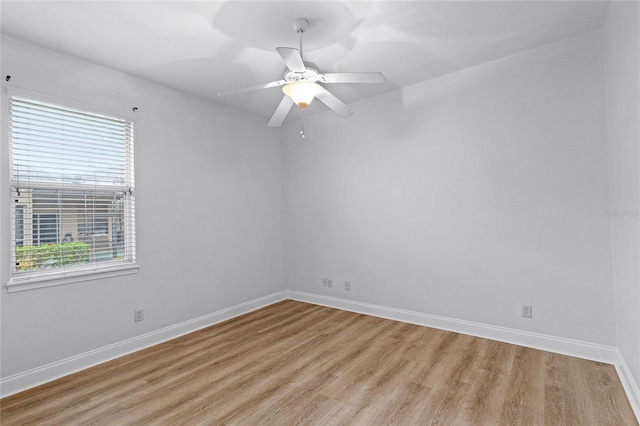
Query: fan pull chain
column 302, row 127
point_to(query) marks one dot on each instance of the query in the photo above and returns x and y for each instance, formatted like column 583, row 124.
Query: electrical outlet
column 347, row 286
column 138, row 315
column 526, row 311
column 327, row 282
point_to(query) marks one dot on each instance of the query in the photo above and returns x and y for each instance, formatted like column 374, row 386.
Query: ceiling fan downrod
column 300, row 25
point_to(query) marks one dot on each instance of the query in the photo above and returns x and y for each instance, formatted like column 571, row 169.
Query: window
column 46, row 228
column 72, row 188
column 19, row 225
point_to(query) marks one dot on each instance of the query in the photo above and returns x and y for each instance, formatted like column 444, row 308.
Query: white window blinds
column 72, row 189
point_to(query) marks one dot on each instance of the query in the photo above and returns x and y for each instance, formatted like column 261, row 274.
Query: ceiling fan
column 300, row 82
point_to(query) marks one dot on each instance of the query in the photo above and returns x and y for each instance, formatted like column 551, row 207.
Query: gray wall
column 622, row 69
column 208, row 211
column 464, row 196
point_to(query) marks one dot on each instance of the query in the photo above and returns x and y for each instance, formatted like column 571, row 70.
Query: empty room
column 322, row 213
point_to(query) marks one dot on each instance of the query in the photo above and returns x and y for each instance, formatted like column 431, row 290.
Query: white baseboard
column 46, row 373
column 628, row 383
column 586, row 350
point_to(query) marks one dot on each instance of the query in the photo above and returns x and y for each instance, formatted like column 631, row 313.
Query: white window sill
column 60, row 278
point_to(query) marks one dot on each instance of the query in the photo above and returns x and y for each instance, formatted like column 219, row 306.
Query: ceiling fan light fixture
column 302, row 92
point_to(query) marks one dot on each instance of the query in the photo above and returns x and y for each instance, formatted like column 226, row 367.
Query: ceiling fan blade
column 281, row 112
column 352, row 77
column 334, row 103
column 292, row 58
column 252, row 88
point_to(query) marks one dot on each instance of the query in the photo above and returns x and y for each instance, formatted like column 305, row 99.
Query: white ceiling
column 204, row 47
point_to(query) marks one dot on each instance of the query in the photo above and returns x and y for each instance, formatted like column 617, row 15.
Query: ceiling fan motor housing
column 309, row 74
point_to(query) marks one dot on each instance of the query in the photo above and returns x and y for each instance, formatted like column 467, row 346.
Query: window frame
column 19, row 282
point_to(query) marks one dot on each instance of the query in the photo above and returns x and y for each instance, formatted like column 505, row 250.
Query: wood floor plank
column 489, row 385
column 297, row 363
column 560, row 404
column 524, row 403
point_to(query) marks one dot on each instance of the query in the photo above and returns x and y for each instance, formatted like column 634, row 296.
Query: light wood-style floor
column 294, row 362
